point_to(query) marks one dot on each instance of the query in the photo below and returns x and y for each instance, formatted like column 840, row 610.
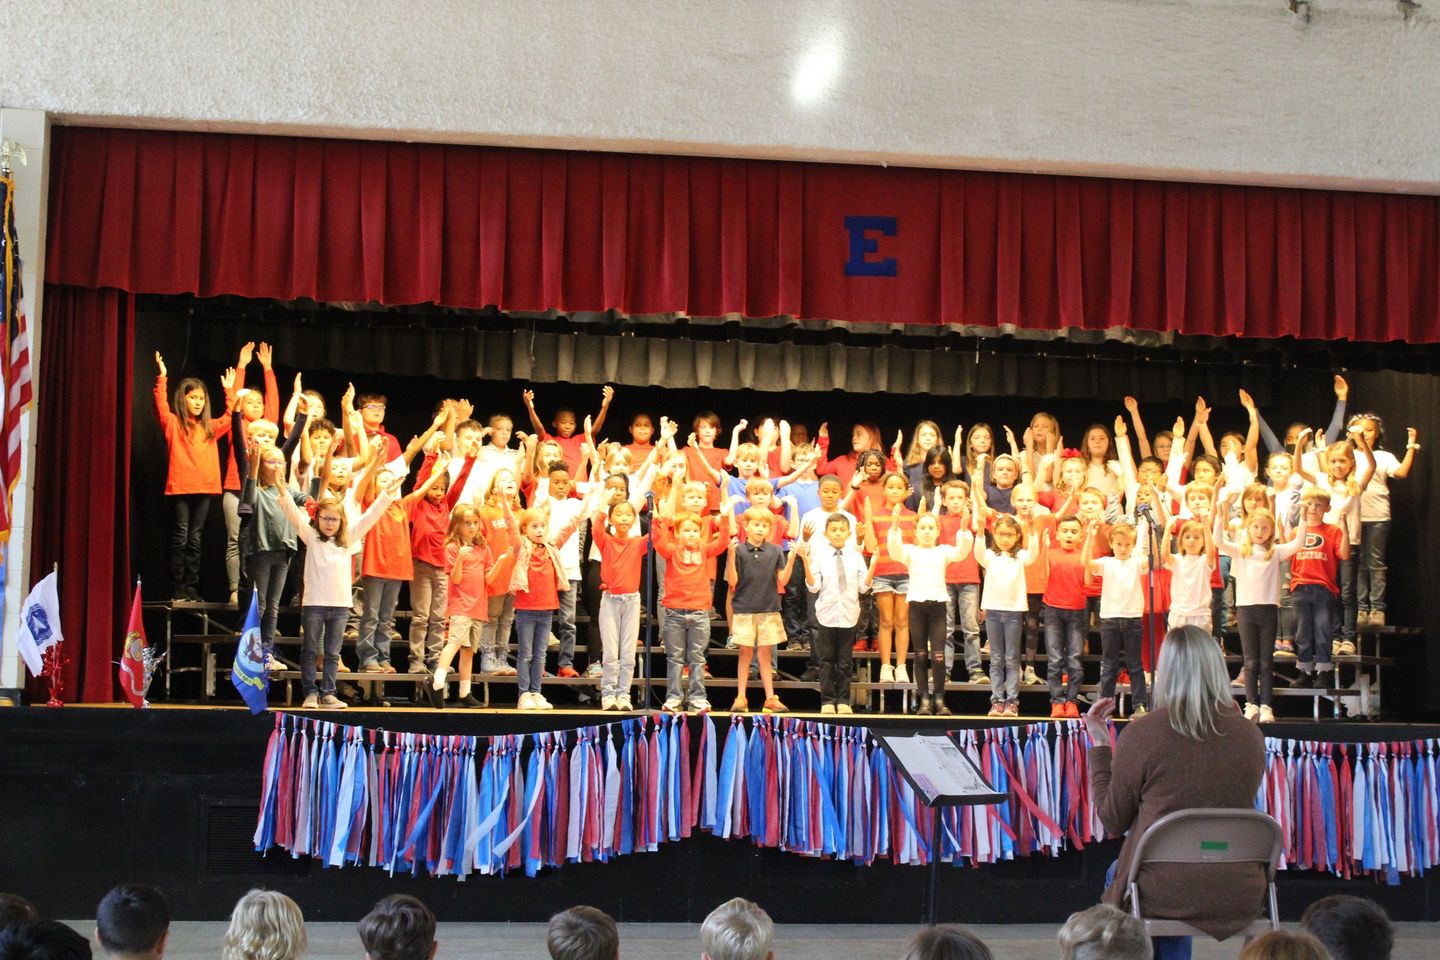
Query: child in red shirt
column 472, row 566
column 1313, row 585
column 621, row 559
column 962, row 580
column 1065, row 626
column 566, row 426
column 689, row 589
column 429, row 520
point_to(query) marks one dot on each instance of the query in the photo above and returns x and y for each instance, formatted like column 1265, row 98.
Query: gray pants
column 962, row 611
column 230, row 502
column 427, row 615
column 619, row 630
column 495, row 637
column 686, row 633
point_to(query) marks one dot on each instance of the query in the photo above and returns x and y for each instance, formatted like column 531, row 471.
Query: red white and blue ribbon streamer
column 456, row 805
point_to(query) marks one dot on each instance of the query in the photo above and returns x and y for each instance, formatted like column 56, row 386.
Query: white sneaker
column 553, row 643
column 624, row 704
column 1252, row 711
column 887, row 673
column 1266, row 714
column 608, row 703
column 526, row 702
column 540, row 703
column 332, row 702
column 674, row 705
column 827, row 708
column 1029, row 678
column 901, row 674
column 844, row 708
column 311, row 702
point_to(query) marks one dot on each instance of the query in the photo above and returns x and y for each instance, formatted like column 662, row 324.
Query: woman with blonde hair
column 265, row 925
column 1103, row 933
column 1194, row 749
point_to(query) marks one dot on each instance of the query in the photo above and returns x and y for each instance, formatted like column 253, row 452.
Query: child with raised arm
column 1191, row 569
column 1340, row 462
column 1122, row 608
column 1255, row 562
column 1065, row 625
column 622, row 558
column 863, row 437
column 925, row 561
column 1005, row 604
column 756, row 569
column 254, row 406
column 688, row 595
column 704, row 462
column 192, row 479
column 331, row 543
column 962, row 583
column 891, row 582
column 472, row 579
column 1375, row 514
column 835, row 574
column 567, row 425
column 501, row 498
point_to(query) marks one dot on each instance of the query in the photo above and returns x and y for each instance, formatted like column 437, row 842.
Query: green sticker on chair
column 1214, row 845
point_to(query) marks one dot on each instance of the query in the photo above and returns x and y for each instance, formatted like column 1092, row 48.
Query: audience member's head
column 1284, row 945
column 737, row 930
column 42, row 940
column 265, row 925
column 583, row 933
column 399, row 927
column 15, row 909
column 1104, row 933
column 1352, row 928
column 948, row 941
column 132, row 921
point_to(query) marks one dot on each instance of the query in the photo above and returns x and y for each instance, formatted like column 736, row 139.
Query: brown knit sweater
column 1154, row 771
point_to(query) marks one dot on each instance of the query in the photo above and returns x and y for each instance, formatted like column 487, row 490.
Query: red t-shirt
column 1065, row 588
column 696, row 459
column 687, row 578
column 961, row 571
column 271, row 413
column 544, row 593
column 888, row 567
column 387, row 545
column 569, row 448
column 638, row 453
column 621, row 559
column 392, row 446
column 1318, row 559
column 1035, row 571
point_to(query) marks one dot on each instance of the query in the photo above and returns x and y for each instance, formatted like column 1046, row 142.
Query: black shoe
column 811, row 675
column 1302, row 680
column 469, row 701
column 437, row 697
column 940, row 709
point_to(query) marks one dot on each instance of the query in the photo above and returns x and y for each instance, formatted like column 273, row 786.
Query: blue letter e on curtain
column 862, row 245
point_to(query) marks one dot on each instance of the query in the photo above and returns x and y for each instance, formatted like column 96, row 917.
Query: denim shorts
column 891, row 583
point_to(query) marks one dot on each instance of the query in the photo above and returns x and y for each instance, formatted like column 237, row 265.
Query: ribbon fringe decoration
column 453, row 806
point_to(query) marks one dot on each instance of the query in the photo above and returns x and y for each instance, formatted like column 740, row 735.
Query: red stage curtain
column 82, row 500
column 396, row 223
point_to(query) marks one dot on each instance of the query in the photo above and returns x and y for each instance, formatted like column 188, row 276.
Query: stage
column 170, row 796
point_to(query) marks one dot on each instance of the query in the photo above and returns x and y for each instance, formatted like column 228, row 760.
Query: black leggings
column 189, row 511
column 927, row 644
column 1258, row 624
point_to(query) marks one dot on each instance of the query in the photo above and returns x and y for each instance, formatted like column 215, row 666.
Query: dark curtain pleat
column 82, row 461
column 530, row 230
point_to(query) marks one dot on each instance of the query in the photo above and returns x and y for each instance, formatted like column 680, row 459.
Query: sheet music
column 938, row 768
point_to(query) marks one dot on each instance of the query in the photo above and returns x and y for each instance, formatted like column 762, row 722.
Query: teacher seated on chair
column 1194, row 749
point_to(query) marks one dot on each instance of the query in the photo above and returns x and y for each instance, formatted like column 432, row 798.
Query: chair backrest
column 1210, row 835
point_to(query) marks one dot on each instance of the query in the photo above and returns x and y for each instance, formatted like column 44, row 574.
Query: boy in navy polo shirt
column 757, row 571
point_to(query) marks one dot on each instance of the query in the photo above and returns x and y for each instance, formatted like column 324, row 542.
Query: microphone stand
column 1153, row 538
column 651, row 610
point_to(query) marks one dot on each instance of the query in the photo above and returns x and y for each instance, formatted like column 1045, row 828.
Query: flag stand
column 54, row 664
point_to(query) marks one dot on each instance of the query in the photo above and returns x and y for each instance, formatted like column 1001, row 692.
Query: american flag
column 14, row 358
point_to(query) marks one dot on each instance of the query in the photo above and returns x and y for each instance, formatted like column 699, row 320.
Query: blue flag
column 249, row 674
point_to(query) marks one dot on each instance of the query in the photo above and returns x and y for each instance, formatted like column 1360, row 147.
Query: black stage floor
column 94, row 796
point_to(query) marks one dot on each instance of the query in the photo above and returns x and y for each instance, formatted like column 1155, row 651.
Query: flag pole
column 54, row 656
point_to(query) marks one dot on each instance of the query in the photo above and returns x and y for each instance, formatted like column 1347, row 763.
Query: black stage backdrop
column 680, row 370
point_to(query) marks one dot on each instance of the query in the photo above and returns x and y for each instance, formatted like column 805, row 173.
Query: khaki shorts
column 465, row 631
column 757, row 630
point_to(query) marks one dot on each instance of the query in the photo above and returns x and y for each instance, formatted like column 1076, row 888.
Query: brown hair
column 582, row 933
column 399, row 927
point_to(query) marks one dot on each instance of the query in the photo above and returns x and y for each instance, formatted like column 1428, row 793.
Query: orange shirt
column 387, row 545
column 194, row 458
column 887, row 567
column 696, row 459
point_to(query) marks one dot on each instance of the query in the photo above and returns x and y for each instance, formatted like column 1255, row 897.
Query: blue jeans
column 1314, row 626
column 1370, row 589
column 378, row 597
column 565, row 624
column 1064, row 640
column 686, row 633
column 1120, row 638
column 532, row 634
column 1003, row 629
column 1347, row 577
column 619, row 630
column 267, row 570
column 324, row 630
column 963, row 610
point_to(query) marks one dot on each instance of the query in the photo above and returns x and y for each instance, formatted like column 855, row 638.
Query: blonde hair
column 757, row 485
column 914, row 454
column 265, row 925
column 1191, row 682
column 737, row 930
column 1284, row 945
column 1104, row 932
column 1247, row 546
column 747, row 451
column 759, row 516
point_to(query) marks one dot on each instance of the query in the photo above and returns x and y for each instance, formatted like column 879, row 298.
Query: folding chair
column 1208, row 835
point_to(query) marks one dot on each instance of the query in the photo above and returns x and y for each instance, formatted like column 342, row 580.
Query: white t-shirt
column 926, row 566
column 1375, row 498
column 1122, row 594
column 1004, row 587
column 1257, row 580
column 816, row 519
column 1344, row 511
column 1189, row 585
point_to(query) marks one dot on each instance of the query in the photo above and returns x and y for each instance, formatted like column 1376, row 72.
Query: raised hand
column 824, row 432
column 1028, row 438
column 1119, row 427
column 741, row 424
column 1179, row 428
column 589, row 425
column 247, row 353
column 302, row 404
column 1132, row 406
column 160, row 363
column 607, row 393
column 1411, row 436
column 297, row 383
column 1010, row 436
column 806, row 532
column 227, row 379
column 690, row 440
column 347, row 399
column 1342, row 389
column 464, row 410
column 528, row 396
column 265, row 354
column 1247, row 401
